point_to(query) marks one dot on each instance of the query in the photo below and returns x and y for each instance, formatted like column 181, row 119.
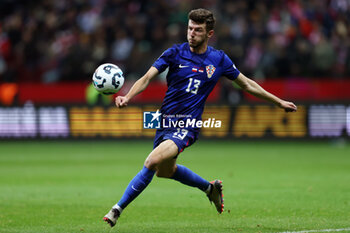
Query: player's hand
column 121, row 101
column 288, row 106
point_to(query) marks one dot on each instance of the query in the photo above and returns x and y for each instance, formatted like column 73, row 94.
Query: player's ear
column 210, row 33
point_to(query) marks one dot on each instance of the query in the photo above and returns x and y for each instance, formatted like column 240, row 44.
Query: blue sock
column 188, row 177
column 136, row 186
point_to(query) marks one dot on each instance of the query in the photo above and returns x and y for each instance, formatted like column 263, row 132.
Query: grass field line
column 321, row 230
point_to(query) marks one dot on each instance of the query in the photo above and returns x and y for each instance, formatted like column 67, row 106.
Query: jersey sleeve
column 230, row 70
column 164, row 60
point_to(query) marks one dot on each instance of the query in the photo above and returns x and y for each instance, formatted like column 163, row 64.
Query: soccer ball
column 108, row 79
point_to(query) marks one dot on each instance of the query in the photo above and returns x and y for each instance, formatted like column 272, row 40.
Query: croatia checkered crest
column 210, row 70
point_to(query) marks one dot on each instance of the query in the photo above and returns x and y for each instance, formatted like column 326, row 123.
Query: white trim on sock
column 116, row 206
column 208, row 189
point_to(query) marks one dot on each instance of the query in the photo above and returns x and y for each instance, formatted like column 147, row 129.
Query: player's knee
column 154, row 160
column 152, row 163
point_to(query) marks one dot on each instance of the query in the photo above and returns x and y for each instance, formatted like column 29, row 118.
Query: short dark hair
column 203, row 16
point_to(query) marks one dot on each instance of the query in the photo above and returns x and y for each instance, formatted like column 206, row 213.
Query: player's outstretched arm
column 139, row 86
column 255, row 89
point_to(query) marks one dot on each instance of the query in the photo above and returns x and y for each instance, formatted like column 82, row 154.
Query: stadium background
column 51, row 182
column 298, row 50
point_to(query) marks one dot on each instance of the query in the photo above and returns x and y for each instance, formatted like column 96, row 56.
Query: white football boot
column 112, row 217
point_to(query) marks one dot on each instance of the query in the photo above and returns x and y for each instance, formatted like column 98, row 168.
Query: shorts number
column 180, row 134
column 195, row 83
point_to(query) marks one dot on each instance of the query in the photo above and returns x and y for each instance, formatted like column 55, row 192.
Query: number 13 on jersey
column 193, row 85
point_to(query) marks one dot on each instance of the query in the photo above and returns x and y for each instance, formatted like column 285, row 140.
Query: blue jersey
column 191, row 78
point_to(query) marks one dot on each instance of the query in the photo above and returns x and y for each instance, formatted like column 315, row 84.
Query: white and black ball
column 108, row 79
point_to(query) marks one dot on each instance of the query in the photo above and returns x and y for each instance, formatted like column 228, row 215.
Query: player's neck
column 200, row 49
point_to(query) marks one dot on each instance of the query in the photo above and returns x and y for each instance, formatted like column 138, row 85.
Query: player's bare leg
column 166, row 169
column 162, row 159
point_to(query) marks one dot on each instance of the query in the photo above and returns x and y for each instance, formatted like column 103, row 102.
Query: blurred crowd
column 50, row 41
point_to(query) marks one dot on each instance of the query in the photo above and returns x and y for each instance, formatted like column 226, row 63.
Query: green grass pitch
column 269, row 186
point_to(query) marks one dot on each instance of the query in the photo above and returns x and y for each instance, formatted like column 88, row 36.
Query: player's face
column 197, row 34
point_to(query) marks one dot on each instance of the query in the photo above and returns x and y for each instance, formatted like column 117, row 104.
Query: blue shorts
column 182, row 137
